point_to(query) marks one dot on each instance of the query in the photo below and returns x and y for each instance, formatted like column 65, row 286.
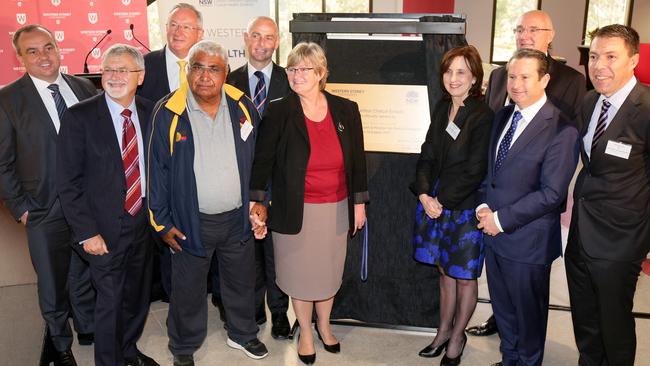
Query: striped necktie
column 61, row 107
column 602, row 123
column 504, row 147
column 131, row 164
column 260, row 92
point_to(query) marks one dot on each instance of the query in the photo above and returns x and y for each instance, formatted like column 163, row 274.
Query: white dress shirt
column 252, row 79
column 47, row 98
column 173, row 69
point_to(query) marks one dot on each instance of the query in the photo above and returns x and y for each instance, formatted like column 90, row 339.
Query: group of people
column 492, row 179
column 207, row 162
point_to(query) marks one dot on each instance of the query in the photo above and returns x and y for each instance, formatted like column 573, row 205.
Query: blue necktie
column 61, row 107
column 507, row 141
column 260, row 92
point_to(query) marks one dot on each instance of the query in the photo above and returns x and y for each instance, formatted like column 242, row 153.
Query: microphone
column 91, row 50
column 131, row 26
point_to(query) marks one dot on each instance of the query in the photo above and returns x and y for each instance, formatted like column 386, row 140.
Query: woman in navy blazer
column 310, row 145
column 450, row 169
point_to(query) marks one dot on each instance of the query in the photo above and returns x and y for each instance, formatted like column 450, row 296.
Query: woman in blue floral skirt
column 451, row 167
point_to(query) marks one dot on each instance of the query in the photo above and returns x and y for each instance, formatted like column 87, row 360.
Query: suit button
column 493, row 185
column 582, row 199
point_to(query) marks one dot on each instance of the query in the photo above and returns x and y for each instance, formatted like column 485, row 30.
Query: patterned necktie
column 504, row 147
column 131, row 164
column 602, row 122
column 260, row 92
column 61, row 107
column 182, row 76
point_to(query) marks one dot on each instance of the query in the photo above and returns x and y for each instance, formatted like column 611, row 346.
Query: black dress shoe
column 306, row 359
column 431, row 351
column 141, row 360
column 280, row 328
column 86, row 339
column 65, row 358
column 331, row 348
column 183, row 360
column 484, row 329
column 448, row 361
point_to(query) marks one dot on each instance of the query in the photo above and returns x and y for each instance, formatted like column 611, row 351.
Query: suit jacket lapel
column 298, row 116
column 534, row 127
column 107, row 131
column 496, row 133
column 42, row 115
column 242, row 79
column 587, row 111
column 78, row 91
column 628, row 112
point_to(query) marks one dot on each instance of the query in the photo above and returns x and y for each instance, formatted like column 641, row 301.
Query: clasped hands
column 486, row 221
column 258, row 215
column 432, row 207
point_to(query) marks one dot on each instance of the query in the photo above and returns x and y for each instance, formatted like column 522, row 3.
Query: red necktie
column 131, row 163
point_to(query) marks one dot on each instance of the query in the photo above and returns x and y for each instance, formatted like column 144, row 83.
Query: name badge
column 618, row 149
column 245, row 130
column 452, row 130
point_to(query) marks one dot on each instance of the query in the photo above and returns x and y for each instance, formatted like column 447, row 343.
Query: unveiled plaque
column 395, row 117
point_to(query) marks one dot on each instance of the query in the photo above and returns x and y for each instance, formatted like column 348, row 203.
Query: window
column 604, row 12
column 506, row 13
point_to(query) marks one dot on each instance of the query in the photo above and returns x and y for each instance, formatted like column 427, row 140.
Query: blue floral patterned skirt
column 452, row 241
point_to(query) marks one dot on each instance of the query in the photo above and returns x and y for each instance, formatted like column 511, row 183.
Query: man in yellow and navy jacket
column 201, row 148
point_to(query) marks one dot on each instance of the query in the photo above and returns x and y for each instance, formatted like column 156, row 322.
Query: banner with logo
column 77, row 25
column 224, row 21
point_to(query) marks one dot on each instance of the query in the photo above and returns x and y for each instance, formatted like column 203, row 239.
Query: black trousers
column 188, row 308
column 265, row 286
column 122, row 279
column 63, row 277
column 602, row 296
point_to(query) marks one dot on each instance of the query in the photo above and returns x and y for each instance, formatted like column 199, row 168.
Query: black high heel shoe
column 306, row 359
column 447, row 361
column 332, row 348
column 430, row 351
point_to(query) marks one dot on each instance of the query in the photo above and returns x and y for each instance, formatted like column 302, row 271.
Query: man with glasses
column 264, row 81
column 166, row 70
column 565, row 90
column 30, row 114
column 165, row 67
column 201, row 152
column 101, row 181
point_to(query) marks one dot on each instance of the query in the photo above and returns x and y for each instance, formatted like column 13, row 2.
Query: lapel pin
column 340, row 127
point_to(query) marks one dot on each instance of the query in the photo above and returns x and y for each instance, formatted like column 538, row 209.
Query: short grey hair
column 209, row 47
column 119, row 49
column 191, row 7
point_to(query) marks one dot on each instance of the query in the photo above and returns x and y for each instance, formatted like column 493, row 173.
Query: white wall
column 479, row 24
column 387, row 6
column 640, row 19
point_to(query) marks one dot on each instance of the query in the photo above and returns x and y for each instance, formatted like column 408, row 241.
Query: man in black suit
column 102, row 188
column 263, row 81
column 565, row 90
column 609, row 235
column 30, row 112
column 165, row 66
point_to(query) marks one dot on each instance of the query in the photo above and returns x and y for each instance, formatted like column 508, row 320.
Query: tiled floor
column 363, row 346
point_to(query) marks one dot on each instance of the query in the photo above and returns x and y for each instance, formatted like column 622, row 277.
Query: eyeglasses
column 532, row 30
column 212, row 70
column 119, row 72
column 298, row 70
column 184, row 27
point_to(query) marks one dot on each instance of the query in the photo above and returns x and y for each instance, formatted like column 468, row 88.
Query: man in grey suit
column 609, row 235
column 263, row 80
column 30, row 112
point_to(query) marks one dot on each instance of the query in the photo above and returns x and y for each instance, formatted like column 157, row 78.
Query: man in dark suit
column 263, row 81
column 101, row 183
column 532, row 157
column 609, row 234
column 30, row 112
column 165, row 66
column 202, row 143
column 565, row 90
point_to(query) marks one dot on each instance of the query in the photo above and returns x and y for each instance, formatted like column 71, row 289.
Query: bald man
column 565, row 90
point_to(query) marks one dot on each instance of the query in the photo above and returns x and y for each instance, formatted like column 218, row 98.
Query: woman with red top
column 310, row 146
